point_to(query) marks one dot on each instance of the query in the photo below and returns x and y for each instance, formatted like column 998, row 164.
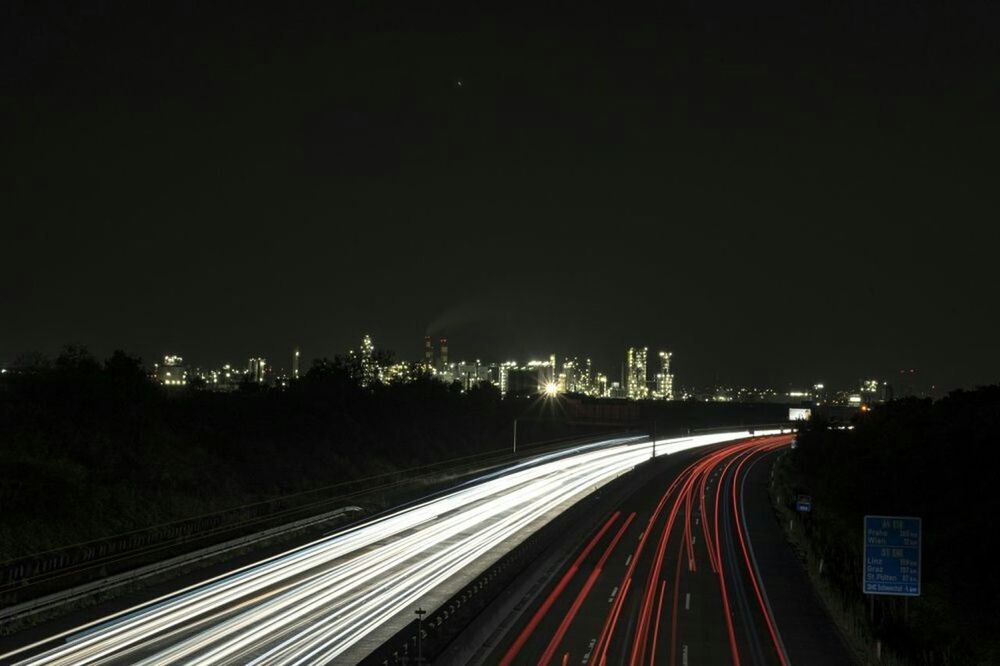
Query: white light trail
column 313, row 603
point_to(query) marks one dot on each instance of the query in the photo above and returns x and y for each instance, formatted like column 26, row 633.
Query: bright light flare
column 551, row 389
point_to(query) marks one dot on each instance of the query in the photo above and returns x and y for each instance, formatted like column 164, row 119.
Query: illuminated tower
column 601, row 385
column 369, row 373
column 295, row 363
column 503, row 376
column 664, row 378
column 569, row 374
column 257, row 370
column 636, row 373
column 579, row 375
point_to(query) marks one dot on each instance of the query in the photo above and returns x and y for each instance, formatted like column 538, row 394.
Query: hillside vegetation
column 934, row 460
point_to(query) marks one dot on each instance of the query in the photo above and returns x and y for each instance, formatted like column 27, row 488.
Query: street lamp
column 420, row 630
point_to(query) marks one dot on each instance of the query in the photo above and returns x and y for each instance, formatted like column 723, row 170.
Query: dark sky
column 775, row 196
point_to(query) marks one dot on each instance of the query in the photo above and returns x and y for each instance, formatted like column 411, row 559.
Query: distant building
column 664, row 378
column 364, row 362
column 567, row 377
column 503, row 376
column 225, row 379
column 471, row 374
column 172, row 372
column 526, row 381
column 257, row 370
column 874, row 391
column 635, row 379
column 600, row 387
column 399, row 373
column 577, row 376
column 530, row 379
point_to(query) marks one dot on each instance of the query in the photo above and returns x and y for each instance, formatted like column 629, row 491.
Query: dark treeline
column 934, row 460
column 89, row 448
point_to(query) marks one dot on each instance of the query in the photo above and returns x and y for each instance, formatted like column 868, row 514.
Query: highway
column 339, row 597
column 675, row 575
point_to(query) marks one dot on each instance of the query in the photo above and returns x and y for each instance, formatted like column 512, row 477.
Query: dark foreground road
column 691, row 568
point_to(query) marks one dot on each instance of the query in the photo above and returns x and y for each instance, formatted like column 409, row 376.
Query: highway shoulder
column 810, row 636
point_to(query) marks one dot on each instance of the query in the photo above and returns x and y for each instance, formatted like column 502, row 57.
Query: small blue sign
column 892, row 556
column 804, row 504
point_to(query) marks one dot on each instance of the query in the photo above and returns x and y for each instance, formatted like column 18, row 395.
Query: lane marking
column 582, row 595
column 627, row 560
column 659, row 610
column 687, row 601
column 684, row 655
column 684, row 480
column 613, row 593
column 528, row 630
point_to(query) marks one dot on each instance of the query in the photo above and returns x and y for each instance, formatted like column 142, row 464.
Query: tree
column 76, row 360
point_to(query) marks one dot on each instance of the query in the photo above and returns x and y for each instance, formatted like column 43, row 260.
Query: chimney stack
column 428, row 352
column 443, row 357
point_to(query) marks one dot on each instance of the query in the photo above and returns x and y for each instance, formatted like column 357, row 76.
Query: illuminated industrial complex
column 548, row 376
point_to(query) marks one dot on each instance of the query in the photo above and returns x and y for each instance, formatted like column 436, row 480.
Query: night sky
column 775, row 196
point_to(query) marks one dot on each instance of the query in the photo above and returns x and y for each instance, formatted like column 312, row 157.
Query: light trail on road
column 640, row 623
column 314, row 603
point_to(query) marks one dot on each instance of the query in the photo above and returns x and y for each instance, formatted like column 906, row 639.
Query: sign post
column 892, row 556
column 420, row 612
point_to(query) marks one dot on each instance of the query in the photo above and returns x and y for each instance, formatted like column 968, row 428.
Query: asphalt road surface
column 691, row 568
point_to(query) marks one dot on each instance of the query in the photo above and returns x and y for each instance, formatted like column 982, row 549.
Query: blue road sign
column 804, row 504
column 892, row 556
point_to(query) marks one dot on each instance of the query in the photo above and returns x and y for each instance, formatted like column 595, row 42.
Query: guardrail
column 99, row 555
column 42, row 573
column 35, row 606
column 784, row 425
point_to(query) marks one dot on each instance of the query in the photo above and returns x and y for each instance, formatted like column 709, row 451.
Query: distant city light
column 573, row 377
